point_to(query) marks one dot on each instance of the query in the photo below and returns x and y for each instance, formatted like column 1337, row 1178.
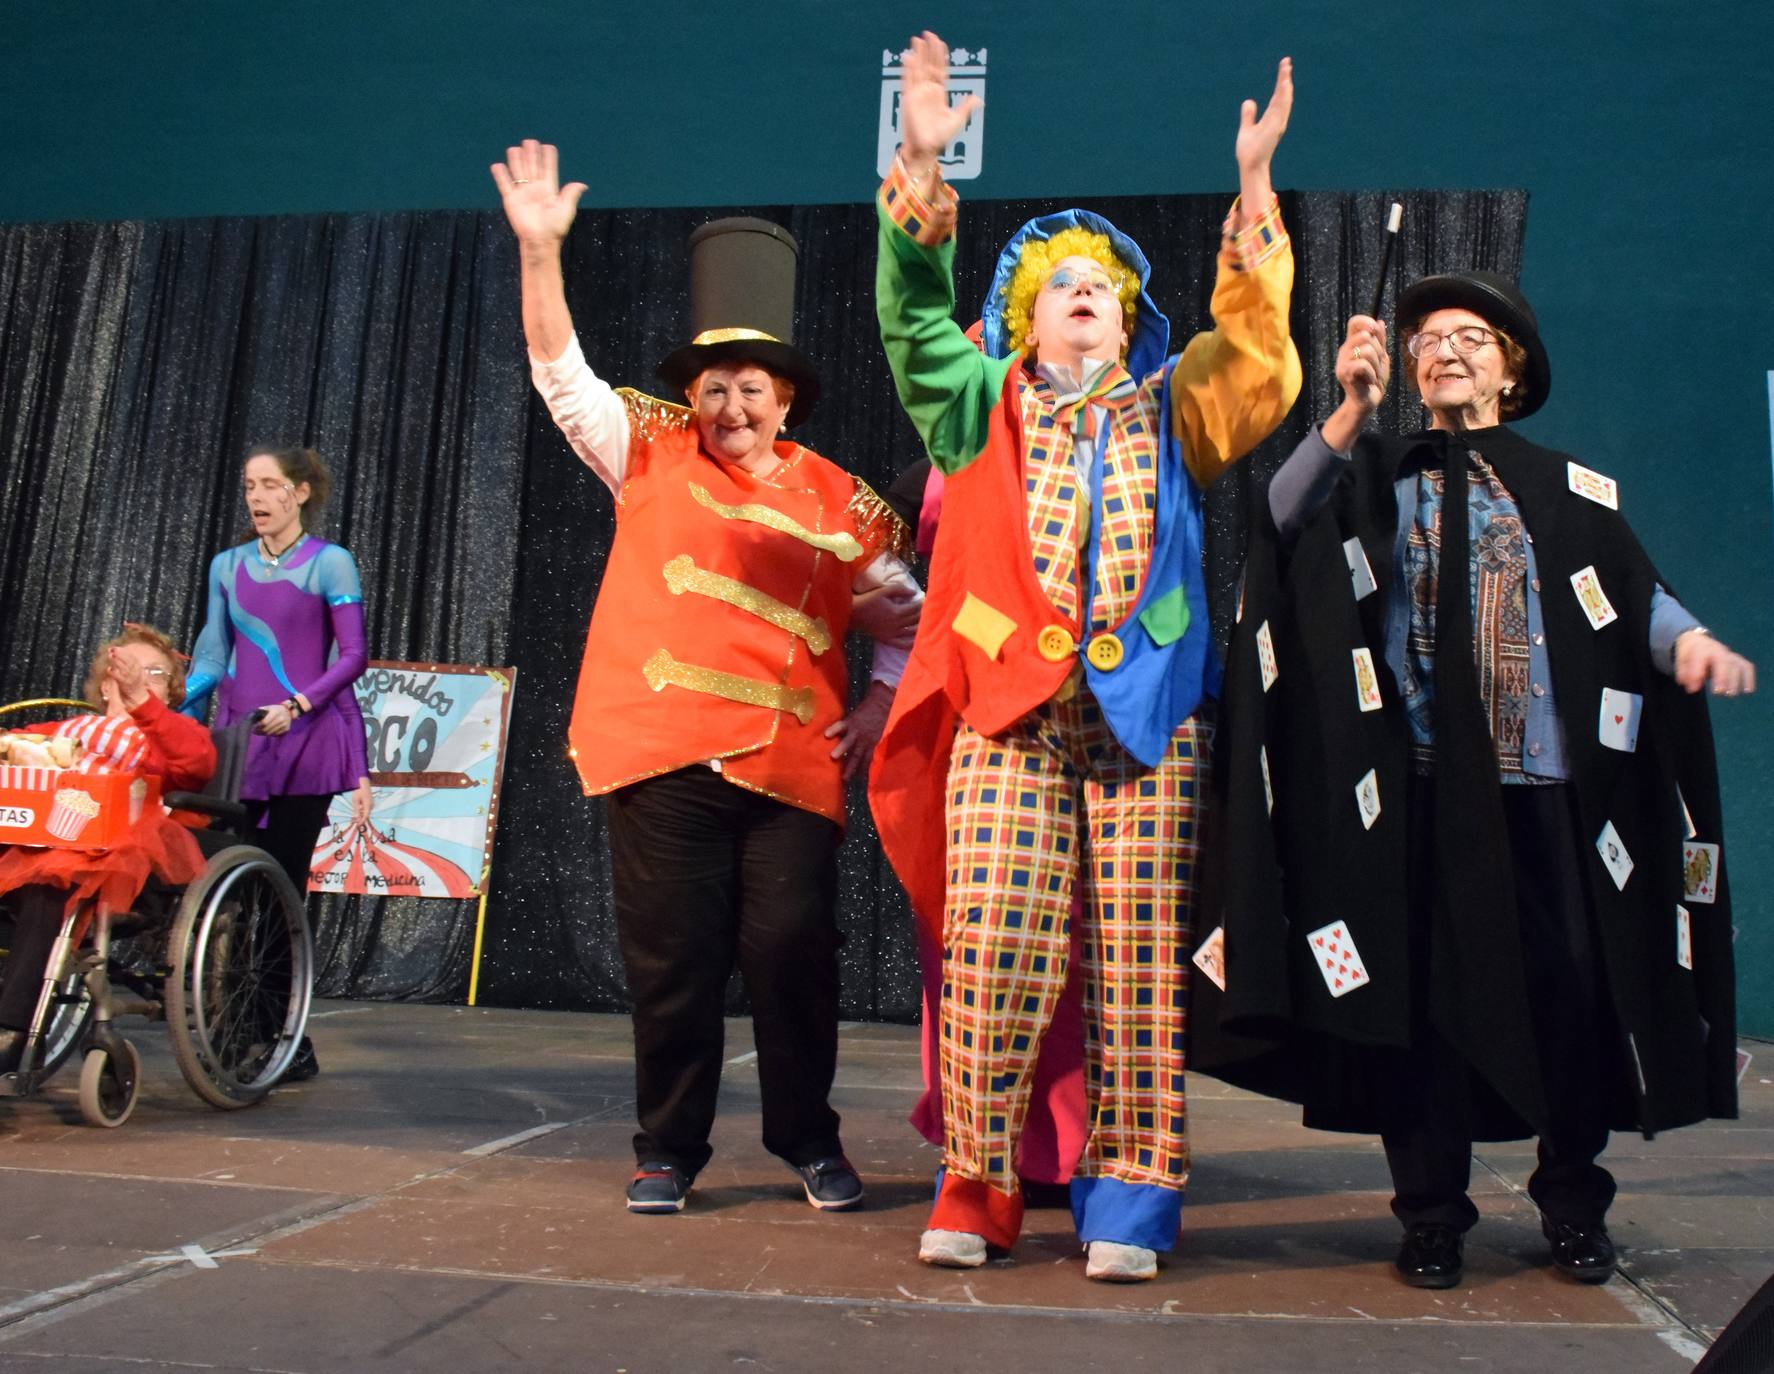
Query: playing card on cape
column 1333, row 950
column 1700, row 871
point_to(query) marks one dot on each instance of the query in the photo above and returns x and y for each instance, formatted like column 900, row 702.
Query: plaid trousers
column 1029, row 813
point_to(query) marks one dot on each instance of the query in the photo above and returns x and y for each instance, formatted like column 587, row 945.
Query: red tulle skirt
column 157, row 846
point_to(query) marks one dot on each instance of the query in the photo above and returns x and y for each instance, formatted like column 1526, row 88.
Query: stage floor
column 447, row 1194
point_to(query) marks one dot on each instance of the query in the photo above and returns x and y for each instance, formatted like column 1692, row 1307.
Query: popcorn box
column 67, row 809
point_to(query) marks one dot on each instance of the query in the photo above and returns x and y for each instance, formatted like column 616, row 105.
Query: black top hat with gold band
column 742, row 308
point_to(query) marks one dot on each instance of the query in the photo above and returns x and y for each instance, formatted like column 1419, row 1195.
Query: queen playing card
column 1604, row 491
column 1700, row 871
column 1338, row 962
column 1367, row 685
column 1592, row 598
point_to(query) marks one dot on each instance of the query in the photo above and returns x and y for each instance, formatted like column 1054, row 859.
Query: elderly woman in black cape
column 1478, row 891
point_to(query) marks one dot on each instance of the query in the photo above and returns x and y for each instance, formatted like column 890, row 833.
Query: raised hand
column 1363, row 364
column 927, row 122
column 539, row 209
column 124, row 674
column 1258, row 138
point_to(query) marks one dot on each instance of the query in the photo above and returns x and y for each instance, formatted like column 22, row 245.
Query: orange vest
column 719, row 627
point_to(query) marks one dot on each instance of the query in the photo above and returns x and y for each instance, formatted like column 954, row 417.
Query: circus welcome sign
column 435, row 737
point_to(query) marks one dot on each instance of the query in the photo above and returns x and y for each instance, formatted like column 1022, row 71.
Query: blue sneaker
column 831, row 1184
column 658, row 1187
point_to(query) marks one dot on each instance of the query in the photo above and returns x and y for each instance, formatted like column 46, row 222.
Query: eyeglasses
column 1465, row 341
column 155, row 673
column 1065, row 278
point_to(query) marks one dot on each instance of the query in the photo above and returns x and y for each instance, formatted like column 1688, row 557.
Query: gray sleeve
column 1303, row 484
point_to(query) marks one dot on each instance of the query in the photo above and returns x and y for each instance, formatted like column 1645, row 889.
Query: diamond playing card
column 1614, row 856
column 1367, row 799
column 1266, row 655
column 1592, row 598
column 1604, row 491
column 1361, row 573
column 1684, row 938
column 1367, row 684
column 1268, row 787
column 1618, row 726
column 1338, row 963
column 1211, row 957
column 1700, row 871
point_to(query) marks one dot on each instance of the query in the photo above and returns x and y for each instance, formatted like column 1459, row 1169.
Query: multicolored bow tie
column 1112, row 387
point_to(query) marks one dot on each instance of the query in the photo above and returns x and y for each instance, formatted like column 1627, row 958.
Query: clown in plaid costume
column 1046, row 734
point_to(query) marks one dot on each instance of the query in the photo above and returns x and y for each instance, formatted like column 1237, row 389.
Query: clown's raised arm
column 1068, row 298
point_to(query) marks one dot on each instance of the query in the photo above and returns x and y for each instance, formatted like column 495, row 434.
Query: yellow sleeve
column 1235, row 382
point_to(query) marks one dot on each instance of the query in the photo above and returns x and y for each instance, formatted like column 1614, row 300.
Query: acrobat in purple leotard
column 274, row 630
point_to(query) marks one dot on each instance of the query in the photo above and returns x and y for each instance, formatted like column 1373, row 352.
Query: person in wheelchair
column 136, row 681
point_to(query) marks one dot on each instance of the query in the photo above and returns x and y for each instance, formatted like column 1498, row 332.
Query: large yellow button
column 1105, row 653
column 1056, row 643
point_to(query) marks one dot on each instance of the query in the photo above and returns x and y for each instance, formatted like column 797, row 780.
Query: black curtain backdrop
column 138, row 361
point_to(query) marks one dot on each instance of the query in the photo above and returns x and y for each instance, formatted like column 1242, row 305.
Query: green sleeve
column 945, row 383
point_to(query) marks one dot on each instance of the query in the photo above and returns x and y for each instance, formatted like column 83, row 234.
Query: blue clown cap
column 1146, row 350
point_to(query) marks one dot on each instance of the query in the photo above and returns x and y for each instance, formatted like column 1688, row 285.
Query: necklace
column 272, row 558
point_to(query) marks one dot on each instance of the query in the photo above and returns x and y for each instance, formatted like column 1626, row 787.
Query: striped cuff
column 906, row 206
column 1248, row 249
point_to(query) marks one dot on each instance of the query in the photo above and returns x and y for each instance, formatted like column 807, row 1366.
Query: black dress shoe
column 1583, row 1252
column 1432, row 1255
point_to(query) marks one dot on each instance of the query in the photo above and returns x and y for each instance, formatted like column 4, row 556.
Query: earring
column 782, row 428
column 1508, row 387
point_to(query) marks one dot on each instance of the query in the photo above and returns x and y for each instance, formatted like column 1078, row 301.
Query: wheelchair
column 227, row 963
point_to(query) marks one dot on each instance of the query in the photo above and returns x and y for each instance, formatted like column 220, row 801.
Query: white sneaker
column 1112, row 1262
column 953, row 1249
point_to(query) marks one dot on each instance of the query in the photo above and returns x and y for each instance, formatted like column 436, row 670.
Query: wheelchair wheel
column 241, row 966
column 109, row 1082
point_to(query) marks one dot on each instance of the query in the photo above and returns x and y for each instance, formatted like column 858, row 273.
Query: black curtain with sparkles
column 138, row 362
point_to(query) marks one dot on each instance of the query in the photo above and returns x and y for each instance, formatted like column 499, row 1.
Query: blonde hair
column 137, row 634
column 1035, row 263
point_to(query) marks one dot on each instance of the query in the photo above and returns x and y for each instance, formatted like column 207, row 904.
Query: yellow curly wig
column 1035, row 264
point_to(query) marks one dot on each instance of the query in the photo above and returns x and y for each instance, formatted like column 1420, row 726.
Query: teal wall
column 1642, row 130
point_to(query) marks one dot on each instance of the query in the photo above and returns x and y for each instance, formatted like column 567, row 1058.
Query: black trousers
column 706, row 875
column 1575, row 1033
column 37, row 912
column 291, row 827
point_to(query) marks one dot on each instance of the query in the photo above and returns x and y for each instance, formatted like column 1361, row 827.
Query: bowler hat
column 1500, row 302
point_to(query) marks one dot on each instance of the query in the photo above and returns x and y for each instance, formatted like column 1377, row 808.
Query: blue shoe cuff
column 1128, row 1213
